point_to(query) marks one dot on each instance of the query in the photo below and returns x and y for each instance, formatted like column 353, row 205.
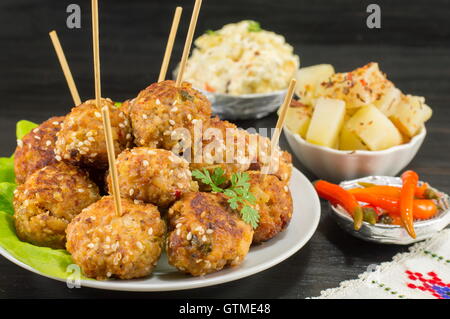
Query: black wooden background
column 412, row 47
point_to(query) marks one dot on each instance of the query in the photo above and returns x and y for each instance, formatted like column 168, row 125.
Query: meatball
column 81, row 139
column 274, row 204
column 261, row 157
column 46, row 203
column 106, row 245
column 162, row 108
column 214, row 144
column 206, row 234
column 36, row 149
column 153, row 176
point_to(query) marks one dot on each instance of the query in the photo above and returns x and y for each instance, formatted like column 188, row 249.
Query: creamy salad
column 241, row 58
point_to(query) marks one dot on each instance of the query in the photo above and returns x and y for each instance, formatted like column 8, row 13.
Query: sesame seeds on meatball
column 153, row 176
column 49, row 199
column 206, row 235
column 274, row 204
column 161, row 108
column 36, row 149
column 106, row 245
column 81, row 139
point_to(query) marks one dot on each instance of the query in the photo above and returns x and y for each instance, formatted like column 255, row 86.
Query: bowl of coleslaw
column 243, row 69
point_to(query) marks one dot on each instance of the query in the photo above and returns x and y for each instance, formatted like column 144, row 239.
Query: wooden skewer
column 188, row 43
column 105, row 111
column 169, row 46
column 280, row 123
column 65, row 67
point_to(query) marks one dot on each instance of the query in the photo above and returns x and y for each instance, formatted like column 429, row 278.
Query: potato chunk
column 298, row 119
column 388, row 101
column 326, row 122
column 374, row 128
column 357, row 88
column 309, row 78
column 349, row 141
column 411, row 113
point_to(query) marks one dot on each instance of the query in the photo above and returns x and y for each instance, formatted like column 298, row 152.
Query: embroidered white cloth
column 423, row 272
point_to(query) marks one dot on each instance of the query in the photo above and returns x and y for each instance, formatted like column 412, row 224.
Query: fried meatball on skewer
column 49, row 199
column 153, row 176
column 36, row 149
column 206, row 235
column 214, row 143
column 105, row 245
column 161, row 108
column 81, row 140
column 274, row 204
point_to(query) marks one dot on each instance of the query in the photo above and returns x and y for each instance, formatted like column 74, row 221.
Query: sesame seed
column 131, row 192
column 19, row 143
column 90, row 245
column 151, row 152
column 80, row 190
column 139, row 244
column 178, row 225
column 144, row 116
column 55, row 123
column 36, row 130
column 189, row 116
column 204, row 238
column 172, row 122
column 178, row 232
column 174, row 109
column 37, row 137
column 58, row 158
column 158, row 102
column 128, row 136
column 108, row 274
column 97, row 114
column 286, row 188
column 209, row 231
column 121, row 125
column 150, row 231
column 145, row 163
column 189, row 236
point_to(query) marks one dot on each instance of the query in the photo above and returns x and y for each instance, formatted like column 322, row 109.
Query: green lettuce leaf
column 23, row 127
column 6, row 197
column 7, row 170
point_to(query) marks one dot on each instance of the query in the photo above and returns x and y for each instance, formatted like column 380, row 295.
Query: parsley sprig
column 238, row 192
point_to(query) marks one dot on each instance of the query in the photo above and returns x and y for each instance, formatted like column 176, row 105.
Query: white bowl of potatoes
column 349, row 125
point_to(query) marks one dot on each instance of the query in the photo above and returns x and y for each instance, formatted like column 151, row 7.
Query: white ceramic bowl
column 335, row 165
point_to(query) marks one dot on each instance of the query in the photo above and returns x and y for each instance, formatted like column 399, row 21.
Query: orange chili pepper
column 422, row 208
column 337, row 195
column 392, row 191
column 409, row 179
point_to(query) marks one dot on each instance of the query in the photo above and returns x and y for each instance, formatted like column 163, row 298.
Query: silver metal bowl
column 246, row 106
column 391, row 234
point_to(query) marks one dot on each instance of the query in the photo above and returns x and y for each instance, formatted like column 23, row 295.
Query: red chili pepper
column 409, row 179
column 177, row 194
column 337, row 195
column 422, row 208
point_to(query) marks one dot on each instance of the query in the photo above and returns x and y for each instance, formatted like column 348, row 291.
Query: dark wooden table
column 412, row 47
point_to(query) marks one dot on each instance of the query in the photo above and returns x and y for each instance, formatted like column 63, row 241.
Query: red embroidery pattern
column 432, row 283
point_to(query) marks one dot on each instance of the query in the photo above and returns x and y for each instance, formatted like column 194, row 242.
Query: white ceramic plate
column 304, row 222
